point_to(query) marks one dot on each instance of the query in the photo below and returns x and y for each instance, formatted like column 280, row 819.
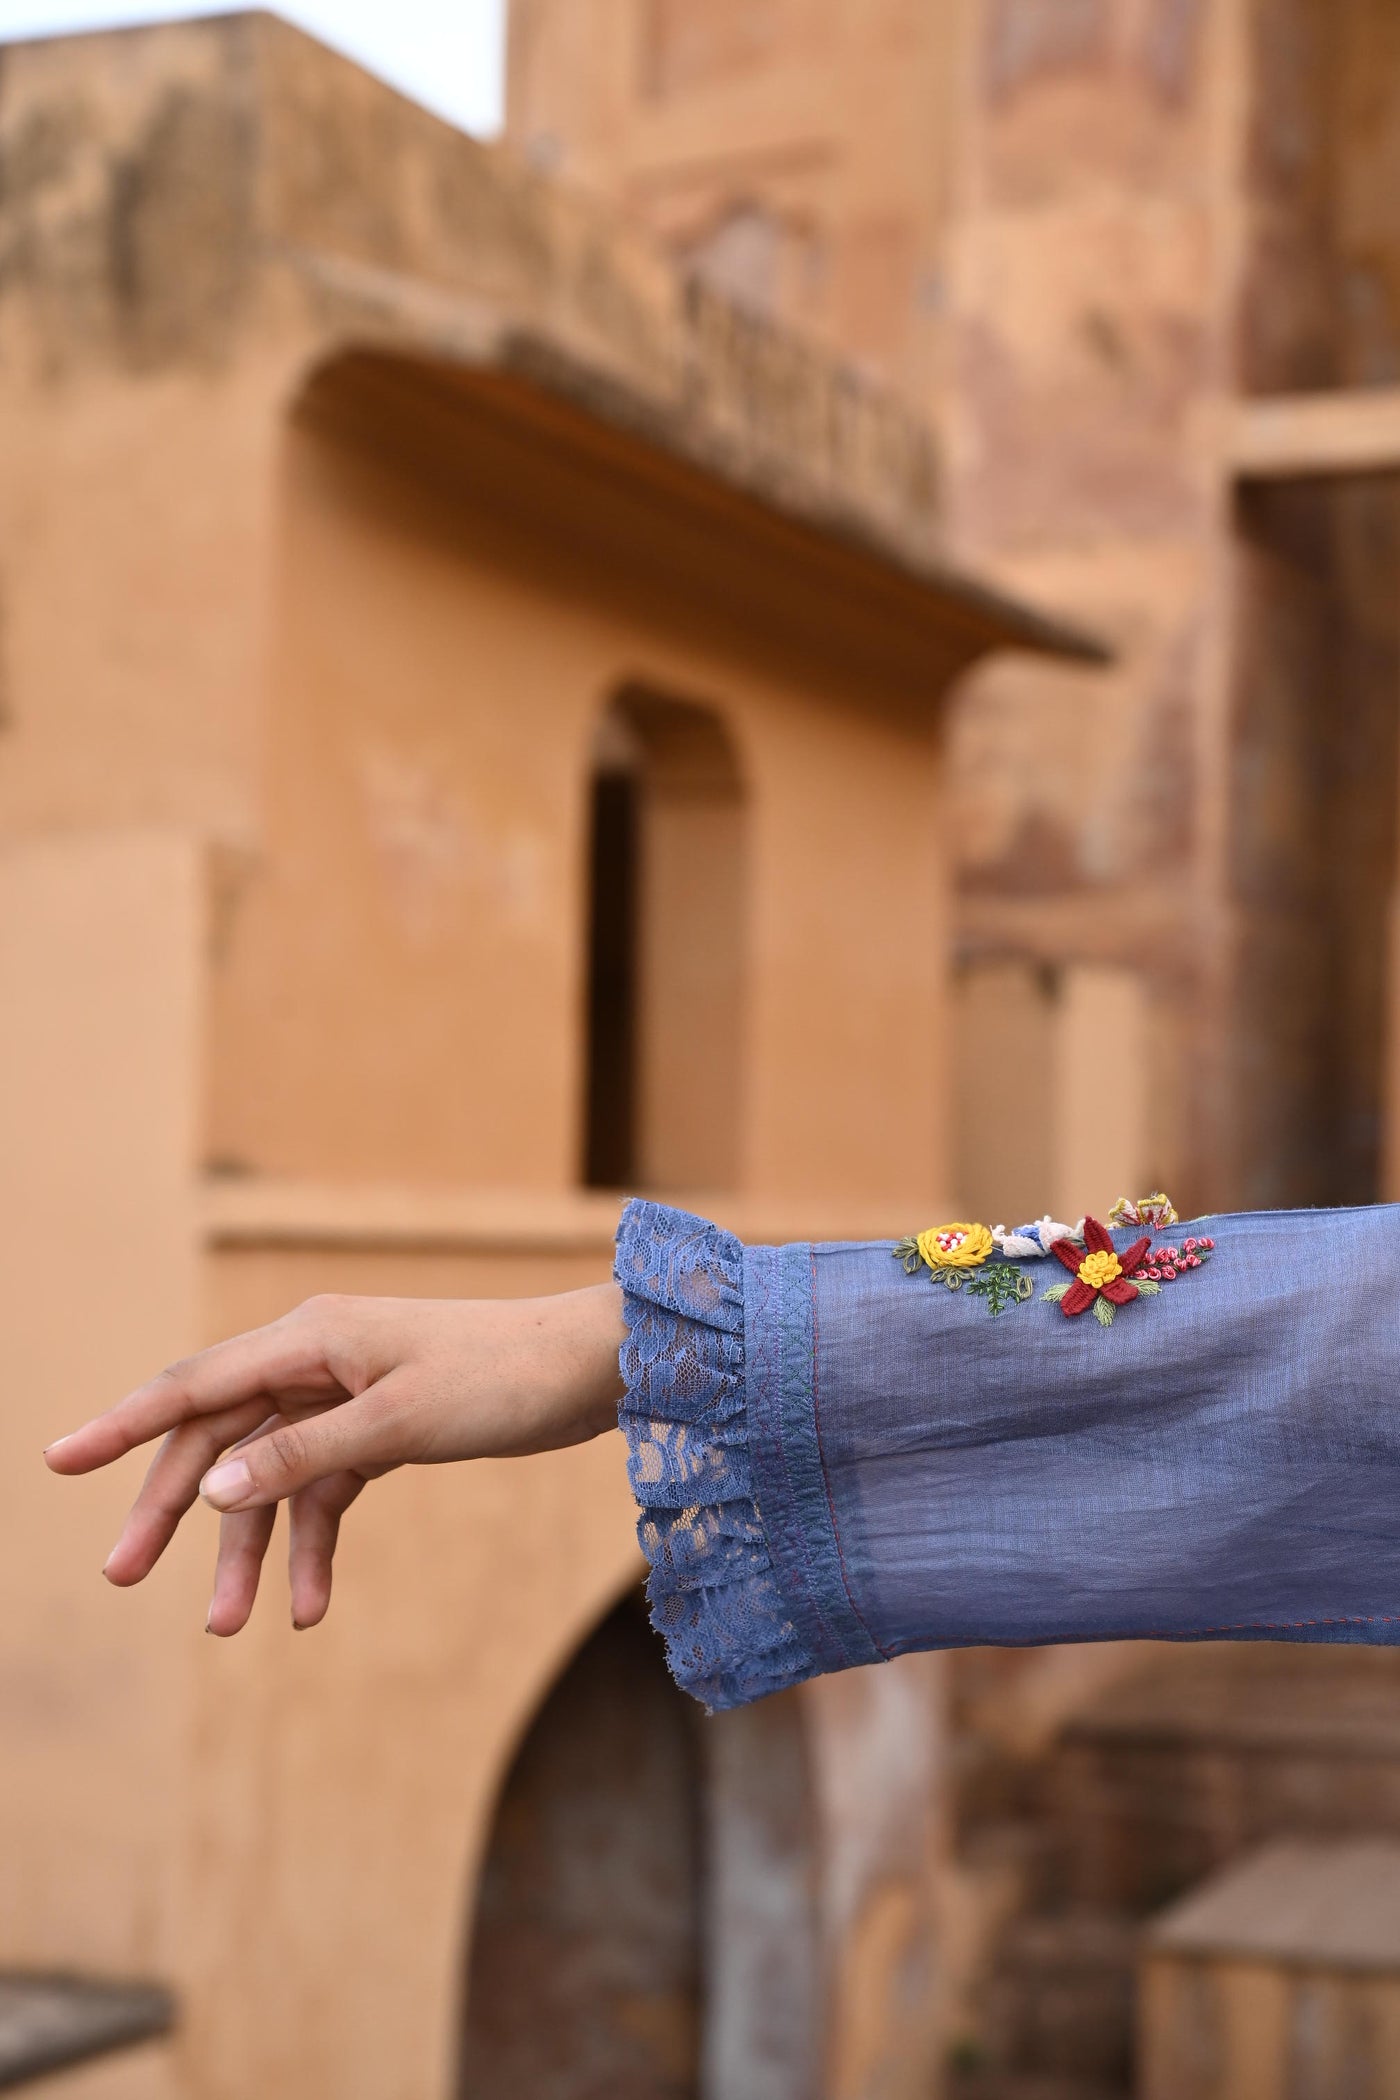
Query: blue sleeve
column 839, row 1461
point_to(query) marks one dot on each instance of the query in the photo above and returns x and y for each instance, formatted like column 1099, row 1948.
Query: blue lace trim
column 713, row 1592
column 789, row 1471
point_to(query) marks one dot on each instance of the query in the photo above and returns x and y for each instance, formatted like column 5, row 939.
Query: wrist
column 590, row 1330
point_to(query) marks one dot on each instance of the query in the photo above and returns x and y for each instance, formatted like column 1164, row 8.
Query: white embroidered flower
column 1031, row 1242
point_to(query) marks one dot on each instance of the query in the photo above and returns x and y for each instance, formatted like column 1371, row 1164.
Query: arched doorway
column 645, row 1919
column 666, row 943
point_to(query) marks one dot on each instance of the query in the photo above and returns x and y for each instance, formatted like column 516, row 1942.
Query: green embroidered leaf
column 1054, row 1294
column 1103, row 1311
column 907, row 1252
column 1001, row 1284
column 1148, row 1289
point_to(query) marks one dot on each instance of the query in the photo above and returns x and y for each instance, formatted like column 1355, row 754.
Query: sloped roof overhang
column 568, row 454
column 260, row 199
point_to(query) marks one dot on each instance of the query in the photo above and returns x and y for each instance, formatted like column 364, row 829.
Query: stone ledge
column 49, row 2021
column 1355, row 430
column 245, row 1212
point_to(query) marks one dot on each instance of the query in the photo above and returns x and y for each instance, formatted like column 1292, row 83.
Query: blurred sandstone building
column 488, row 712
column 471, row 743
column 1137, row 262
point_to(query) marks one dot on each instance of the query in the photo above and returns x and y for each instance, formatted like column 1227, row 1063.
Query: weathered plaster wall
column 743, row 135
column 98, row 1276
column 1119, row 211
column 1129, row 212
column 1088, row 255
column 1322, row 290
column 461, row 1595
column 1039, row 193
column 1314, row 826
column 442, row 660
column 299, row 696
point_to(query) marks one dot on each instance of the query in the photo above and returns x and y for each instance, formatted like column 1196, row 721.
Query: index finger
column 285, row 1360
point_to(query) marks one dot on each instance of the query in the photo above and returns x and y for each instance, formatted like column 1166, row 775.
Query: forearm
column 840, row 1455
column 573, row 1383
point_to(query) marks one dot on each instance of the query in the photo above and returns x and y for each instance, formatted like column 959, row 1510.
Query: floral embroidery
column 1165, row 1264
column 1098, row 1275
column 957, row 1255
column 1107, row 1280
column 1033, row 1242
column 1155, row 1212
column 1098, row 1271
column 954, row 1246
column 967, row 1256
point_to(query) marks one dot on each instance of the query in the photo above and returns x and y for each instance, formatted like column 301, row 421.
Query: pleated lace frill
column 712, row 1590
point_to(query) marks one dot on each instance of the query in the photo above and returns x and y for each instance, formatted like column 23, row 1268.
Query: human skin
column 333, row 1395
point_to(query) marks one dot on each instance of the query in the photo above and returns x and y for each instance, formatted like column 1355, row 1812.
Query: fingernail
column 227, row 1484
column 297, row 1626
column 57, row 1444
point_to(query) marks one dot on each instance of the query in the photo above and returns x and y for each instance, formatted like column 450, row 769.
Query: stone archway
column 645, row 1922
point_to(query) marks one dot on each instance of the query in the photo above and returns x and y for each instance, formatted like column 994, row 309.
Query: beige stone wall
column 347, row 1782
column 287, row 1830
column 1091, row 263
column 98, row 1066
column 350, row 474
column 1050, row 199
column 743, row 135
column 99, row 987
column 238, row 1819
column 439, row 676
column 1132, row 219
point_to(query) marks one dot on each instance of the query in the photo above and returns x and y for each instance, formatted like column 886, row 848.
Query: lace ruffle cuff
column 713, row 1591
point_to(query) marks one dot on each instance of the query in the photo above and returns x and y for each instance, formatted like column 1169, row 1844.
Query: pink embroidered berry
column 1192, row 1261
column 1139, row 1275
column 1168, row 1274
column 1191, row 1246
column 1209, row 1246
column 1170, row 1254
column 1155, row 1275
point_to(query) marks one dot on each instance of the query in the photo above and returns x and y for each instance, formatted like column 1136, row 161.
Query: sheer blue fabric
column 838, row 1462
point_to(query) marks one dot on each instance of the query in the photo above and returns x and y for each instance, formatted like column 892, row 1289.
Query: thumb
column 360, row 1436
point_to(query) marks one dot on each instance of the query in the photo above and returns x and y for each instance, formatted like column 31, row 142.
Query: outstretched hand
column 335, row 1394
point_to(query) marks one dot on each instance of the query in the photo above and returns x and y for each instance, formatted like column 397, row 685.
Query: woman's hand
column 333, row 1395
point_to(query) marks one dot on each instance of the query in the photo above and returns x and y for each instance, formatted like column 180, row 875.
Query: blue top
column 838, row 1461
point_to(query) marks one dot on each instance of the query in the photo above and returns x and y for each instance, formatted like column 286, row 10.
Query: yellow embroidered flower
column 955, row 1246
column 1098, row 1269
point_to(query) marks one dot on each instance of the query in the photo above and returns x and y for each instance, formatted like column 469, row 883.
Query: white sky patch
column 446, row 54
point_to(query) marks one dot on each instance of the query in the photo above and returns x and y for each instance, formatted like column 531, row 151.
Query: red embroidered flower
column 1097, row 1270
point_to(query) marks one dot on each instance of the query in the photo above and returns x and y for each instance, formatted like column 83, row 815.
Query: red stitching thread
column 1159, row 1633
column 1375, row 1618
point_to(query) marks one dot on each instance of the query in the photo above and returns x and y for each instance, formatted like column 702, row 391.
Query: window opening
column 666, row 949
